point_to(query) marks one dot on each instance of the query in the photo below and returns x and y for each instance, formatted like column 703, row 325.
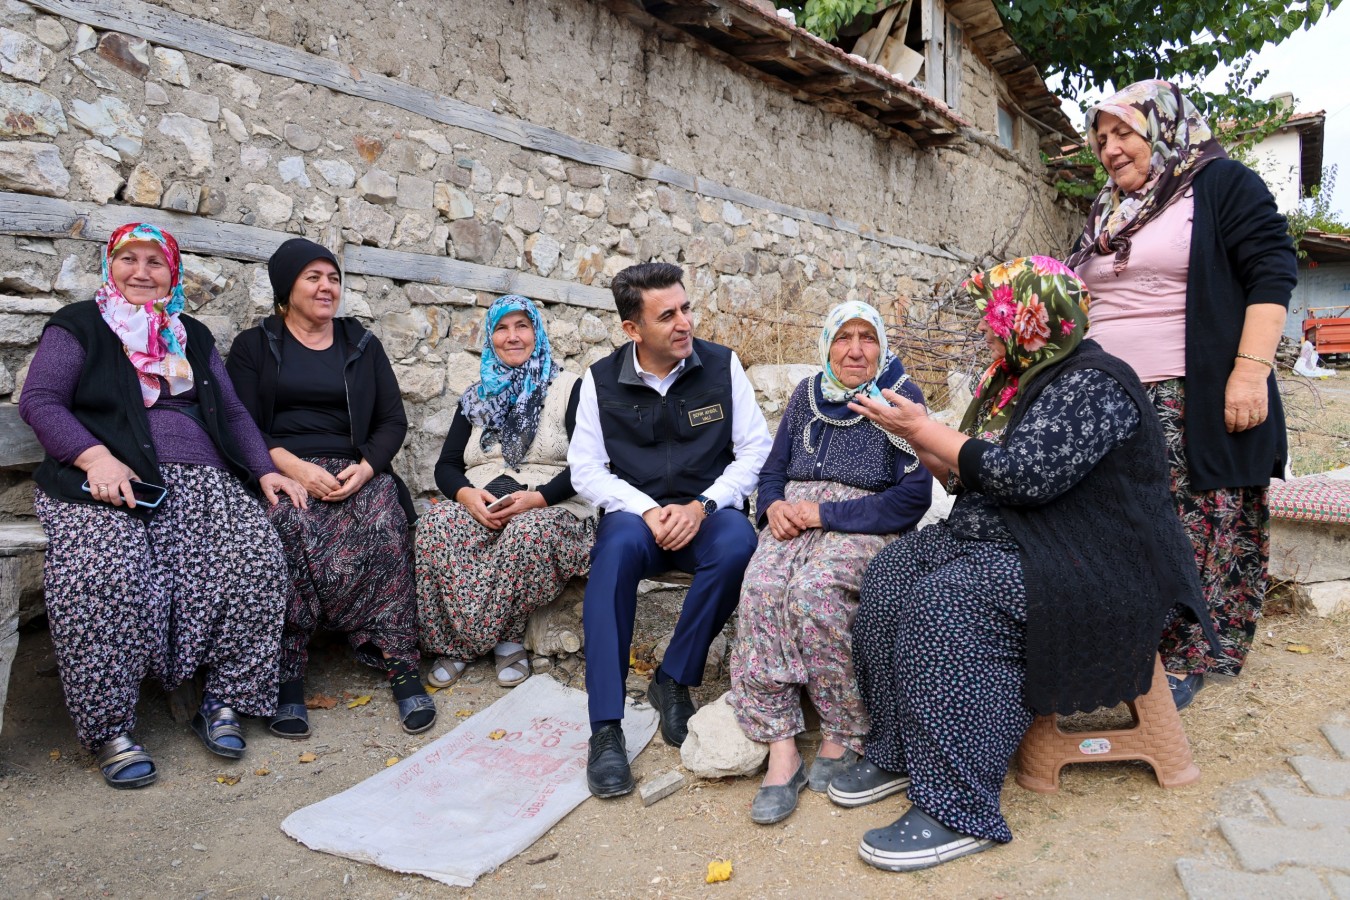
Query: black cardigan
column 1104, row 563
column 374, row 403
column 1241, row 254
column 108, row 402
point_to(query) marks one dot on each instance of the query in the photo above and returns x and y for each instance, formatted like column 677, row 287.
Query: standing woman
column 1191, row 268
column 324, row 395
column 516, row 531
column 125, row 389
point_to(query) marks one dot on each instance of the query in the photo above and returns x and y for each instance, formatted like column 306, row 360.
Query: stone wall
column 117, row 128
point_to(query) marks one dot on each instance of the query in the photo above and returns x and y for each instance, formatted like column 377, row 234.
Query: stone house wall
column 433, row 219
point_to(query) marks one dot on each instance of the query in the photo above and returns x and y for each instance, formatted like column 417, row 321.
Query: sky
column 1312, row 66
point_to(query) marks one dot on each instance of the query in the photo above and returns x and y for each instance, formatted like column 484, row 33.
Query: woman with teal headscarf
column 514, row 531
column 833, row 491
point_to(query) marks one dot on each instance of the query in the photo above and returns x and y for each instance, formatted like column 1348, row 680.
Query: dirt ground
column 1109, row 832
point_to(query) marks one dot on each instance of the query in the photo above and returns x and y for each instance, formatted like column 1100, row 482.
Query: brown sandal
column 517, row 663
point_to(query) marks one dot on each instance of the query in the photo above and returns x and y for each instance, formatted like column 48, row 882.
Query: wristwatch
column 709, row 505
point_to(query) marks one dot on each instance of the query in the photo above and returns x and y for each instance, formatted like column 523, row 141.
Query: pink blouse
column 1140, row 314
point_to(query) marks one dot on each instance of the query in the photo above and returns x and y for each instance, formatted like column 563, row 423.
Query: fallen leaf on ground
column 1299, row 648
column 718, row 870
column 262, row 772
column 359, row 701
column 308, row 757
column 320, row 701
column 497, row 735
column 227, row 779
column 54, row 755
column 463, row 713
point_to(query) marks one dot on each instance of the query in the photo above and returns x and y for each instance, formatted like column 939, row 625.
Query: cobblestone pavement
column 1286, row 835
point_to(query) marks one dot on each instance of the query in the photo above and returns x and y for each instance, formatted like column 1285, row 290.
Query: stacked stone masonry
column 99, row 118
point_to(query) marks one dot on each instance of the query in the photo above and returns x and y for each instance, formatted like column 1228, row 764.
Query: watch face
column 709, row 507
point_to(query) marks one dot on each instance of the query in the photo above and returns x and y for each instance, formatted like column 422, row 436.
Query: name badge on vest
column 706, row 415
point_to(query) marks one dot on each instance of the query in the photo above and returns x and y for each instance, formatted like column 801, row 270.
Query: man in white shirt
column 669, row 443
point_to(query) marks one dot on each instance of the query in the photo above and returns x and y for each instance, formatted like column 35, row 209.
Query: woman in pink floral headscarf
column 1043, row 591
column 160, row 560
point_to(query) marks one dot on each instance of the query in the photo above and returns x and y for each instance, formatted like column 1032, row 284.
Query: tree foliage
column 1315, row 212
column 824, row 18
column 1117, row 42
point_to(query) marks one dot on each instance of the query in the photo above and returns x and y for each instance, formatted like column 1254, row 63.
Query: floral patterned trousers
column 477, row 587
column 202, row 583
column 1230, row 531
column 797, row 605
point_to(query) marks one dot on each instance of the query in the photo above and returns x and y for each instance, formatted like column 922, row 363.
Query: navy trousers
column 624, row 554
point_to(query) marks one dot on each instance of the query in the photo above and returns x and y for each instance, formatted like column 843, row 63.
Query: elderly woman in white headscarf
column 834, row 491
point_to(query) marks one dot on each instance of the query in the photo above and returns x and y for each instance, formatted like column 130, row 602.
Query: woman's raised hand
column 903, row 417
column 273, row 483
column 109, row 478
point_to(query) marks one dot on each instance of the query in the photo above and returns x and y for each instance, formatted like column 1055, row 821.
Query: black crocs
column 917, row 841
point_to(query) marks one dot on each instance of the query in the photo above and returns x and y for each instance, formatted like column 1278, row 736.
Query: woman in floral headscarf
column 1045, row 589
column 834, row 490
column 1191, row 269
column 125, row 389
column 516, row 532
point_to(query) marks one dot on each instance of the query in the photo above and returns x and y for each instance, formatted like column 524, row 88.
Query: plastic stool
column 1157, row 738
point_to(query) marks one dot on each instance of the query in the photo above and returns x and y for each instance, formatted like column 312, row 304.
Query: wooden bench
column 19, row 449
column 1310, row 539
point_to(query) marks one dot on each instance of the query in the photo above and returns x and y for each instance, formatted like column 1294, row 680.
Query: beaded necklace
column 816, row 415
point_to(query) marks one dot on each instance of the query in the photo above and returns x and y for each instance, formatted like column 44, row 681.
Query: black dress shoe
column 674, row 705
column 607, row 772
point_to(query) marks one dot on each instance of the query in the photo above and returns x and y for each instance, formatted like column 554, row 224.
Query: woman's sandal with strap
column 517, row 663
column 220, row 722
column 290, row 712
column 410, row 705
column 117, row 755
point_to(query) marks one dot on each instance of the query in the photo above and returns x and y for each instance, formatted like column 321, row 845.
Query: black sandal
column 410, row 706
column 290, row 712
column 220, row 722
column 116, row 755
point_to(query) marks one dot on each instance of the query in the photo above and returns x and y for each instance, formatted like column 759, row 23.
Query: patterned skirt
column 794, row 627
column 351, row 571
column 203, row 583
column 477, row 587
column 1230, row 531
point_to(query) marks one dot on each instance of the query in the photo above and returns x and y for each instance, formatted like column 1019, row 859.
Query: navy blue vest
column 671, row 448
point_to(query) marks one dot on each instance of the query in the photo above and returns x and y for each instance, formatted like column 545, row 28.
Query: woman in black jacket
column 1191, row 269
column 323, row 393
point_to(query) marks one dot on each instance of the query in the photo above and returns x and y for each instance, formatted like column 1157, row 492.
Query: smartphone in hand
column 146, row 494
column 499, row 503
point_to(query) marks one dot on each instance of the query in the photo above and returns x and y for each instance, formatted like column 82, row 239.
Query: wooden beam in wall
column 28, row 214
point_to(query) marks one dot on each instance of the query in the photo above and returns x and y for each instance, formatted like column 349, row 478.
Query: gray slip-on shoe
column 776, row 803
column 823, row 771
